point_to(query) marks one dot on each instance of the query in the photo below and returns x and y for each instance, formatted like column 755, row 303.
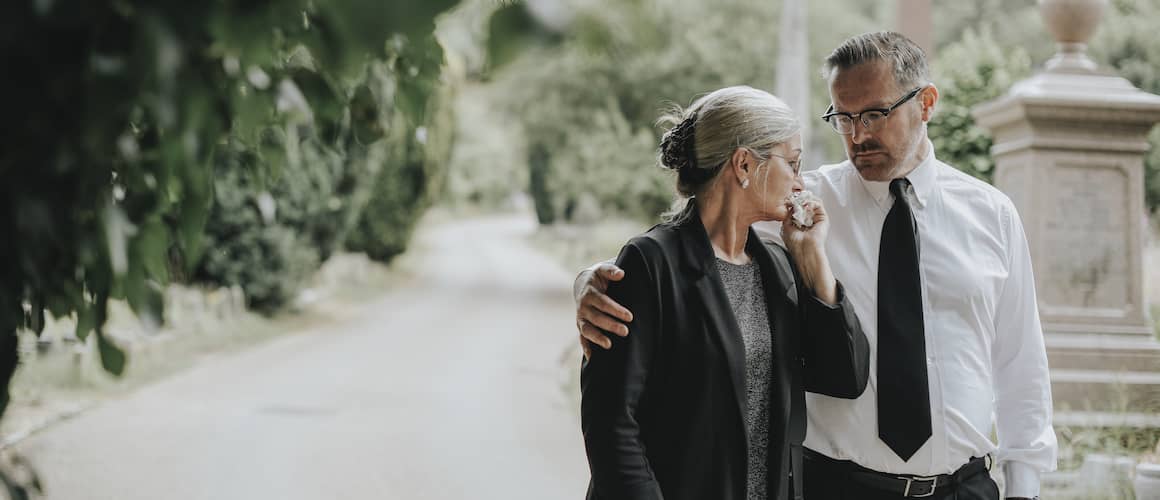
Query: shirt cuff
column 1021, row 480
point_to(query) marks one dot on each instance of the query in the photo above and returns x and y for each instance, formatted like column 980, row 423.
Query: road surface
column 448, row 388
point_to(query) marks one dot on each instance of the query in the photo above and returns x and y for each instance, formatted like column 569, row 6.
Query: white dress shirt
column 986, row 361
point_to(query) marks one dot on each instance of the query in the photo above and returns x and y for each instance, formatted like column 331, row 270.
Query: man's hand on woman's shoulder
column 596, row 313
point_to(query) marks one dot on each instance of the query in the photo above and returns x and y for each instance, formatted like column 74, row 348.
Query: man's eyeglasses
column 871, row 119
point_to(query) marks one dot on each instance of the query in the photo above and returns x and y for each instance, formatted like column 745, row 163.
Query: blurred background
column 324, row 249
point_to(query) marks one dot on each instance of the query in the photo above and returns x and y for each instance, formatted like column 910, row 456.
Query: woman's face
column 777, row 178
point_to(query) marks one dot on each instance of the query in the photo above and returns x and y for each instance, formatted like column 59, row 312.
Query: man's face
column 890, row 150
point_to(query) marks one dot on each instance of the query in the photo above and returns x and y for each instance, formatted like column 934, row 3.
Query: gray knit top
column 747, row 297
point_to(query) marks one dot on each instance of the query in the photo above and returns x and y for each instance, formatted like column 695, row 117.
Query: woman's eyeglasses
column 795, row 164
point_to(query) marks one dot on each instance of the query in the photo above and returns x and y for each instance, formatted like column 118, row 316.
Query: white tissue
column 801, row 216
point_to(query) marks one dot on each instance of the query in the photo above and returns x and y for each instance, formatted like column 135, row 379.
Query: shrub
column 588, row 104
column 249, row 239
column 413, row 157
column 1129, row 43
column 968, row 72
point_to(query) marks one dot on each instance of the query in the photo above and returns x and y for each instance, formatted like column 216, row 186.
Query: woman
column 704, row 398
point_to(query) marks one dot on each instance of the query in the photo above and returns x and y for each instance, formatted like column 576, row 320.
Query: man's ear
column 928, row 97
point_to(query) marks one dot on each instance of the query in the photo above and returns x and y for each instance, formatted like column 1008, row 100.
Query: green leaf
column 151, row 245
column 112, row 357
column 132, row 286
column 253, row 108
column 364, row 116
column 418, row 66
column 247, row 29
column 197, row 198
column 511, row 29
column 326, row 102
column 86, row 320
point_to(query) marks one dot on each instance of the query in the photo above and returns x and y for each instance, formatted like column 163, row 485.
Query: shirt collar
column 922, row 181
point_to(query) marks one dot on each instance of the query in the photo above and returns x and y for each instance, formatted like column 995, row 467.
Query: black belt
column 902, row 484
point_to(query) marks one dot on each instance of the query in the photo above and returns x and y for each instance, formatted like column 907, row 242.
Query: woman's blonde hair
column 701, row 138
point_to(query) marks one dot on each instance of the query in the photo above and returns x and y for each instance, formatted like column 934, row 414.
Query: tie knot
column 898, row 186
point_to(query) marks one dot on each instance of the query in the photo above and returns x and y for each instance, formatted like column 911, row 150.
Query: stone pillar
column 1068, row 147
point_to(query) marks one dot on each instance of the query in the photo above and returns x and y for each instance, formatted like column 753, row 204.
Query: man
column 937, row 267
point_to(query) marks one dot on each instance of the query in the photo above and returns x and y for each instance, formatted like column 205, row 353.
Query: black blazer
column 663, row 411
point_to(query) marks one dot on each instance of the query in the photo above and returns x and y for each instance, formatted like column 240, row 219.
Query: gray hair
column 906, row 57
column 702, row 138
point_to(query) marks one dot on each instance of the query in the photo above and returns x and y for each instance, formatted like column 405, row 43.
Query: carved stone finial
column 1072, row 23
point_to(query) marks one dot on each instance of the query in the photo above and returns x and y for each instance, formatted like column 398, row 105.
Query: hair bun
column 677, row 146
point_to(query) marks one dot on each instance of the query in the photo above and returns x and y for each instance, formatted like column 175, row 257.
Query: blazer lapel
column 719, row 317
column 700, row 260
column 776, row 274
column 780, row 286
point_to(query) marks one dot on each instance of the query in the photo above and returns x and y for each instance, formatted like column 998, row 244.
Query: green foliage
column 269, row 232
column 1013, row 23
column 512, row 30
column 1152, row 171
column 488, row 164
column 1126, row 43
column 609, row 169
column 1129, row 42
column 973, row 70
column 413, row 157
column 251, row 242
column 588, row 104
column 398, row 197
column 115, row 114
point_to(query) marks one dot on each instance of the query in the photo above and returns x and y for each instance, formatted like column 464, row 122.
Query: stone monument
column 1068, row 145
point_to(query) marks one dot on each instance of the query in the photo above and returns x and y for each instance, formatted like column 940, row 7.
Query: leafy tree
column 418, row 145
column 1128, row 42
column 116, row 115
column 353, row 149
column 588, row 103
column 968, row 72
column 986, row 46
column 587, row 97
column 1013, row 23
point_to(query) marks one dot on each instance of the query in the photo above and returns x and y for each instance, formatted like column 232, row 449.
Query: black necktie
column 903, row 395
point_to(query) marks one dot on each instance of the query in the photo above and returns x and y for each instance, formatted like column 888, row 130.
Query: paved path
column 450, row 388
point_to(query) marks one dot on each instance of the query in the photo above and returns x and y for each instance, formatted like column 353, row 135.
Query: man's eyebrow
column 881, row 105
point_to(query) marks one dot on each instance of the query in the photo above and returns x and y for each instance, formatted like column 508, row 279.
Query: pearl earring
column 745, row 184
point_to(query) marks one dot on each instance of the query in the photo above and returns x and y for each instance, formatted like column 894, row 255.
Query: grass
column 1076, row 442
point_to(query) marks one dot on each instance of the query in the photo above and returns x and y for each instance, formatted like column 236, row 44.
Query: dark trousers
column 827, row 479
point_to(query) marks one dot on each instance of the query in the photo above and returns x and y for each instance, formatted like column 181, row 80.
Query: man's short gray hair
column 907, row 58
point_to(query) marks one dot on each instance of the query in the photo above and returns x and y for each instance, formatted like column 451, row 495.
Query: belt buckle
column 910, row 482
